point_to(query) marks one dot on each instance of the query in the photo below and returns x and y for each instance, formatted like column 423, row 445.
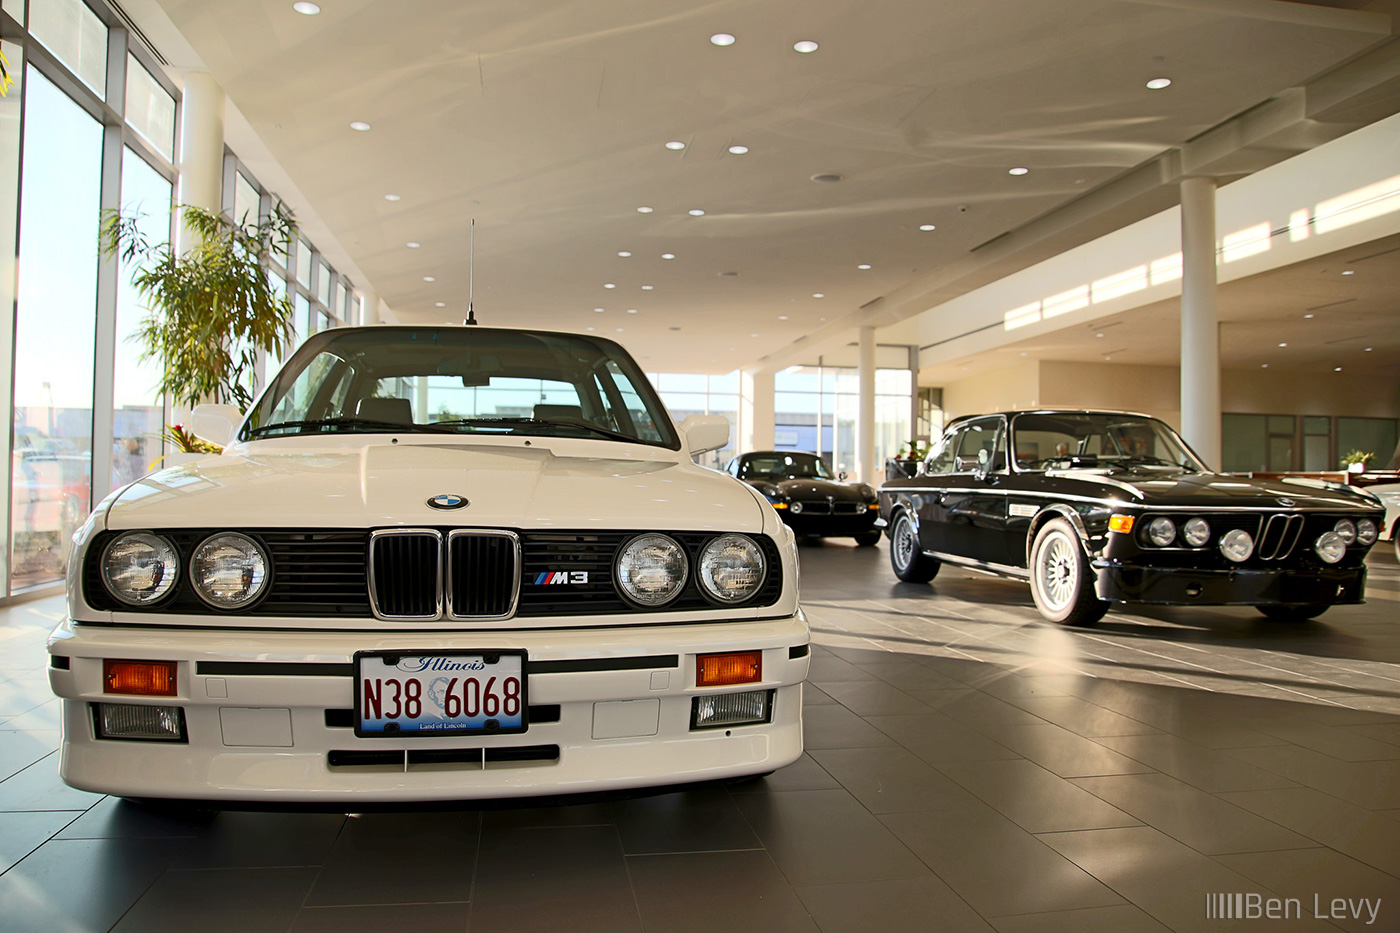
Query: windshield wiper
column 539, row 422
column 333, row 423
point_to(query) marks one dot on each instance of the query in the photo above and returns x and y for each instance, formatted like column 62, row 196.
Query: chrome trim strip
column 1141, row 505
column 984, row 566
column 514, row 572
column 373, row 589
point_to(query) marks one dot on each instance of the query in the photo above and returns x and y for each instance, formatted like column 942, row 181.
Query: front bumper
column 619, row 699
column 1133, row 583
column 833, row 526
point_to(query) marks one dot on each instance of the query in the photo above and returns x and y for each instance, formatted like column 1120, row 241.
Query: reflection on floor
column 968, row 767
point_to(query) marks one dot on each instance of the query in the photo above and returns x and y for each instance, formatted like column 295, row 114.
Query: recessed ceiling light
column 624, row 253
column 696, row 212
column 729, row 275
column 1263, row 365
column 647, row 288
column 864, row 265
column 592, row 328
column 675, row 144
column 1158, row 83
column 1348, row 272
column 392, row 197
column 738, row 150
column 721, row 39
column 668, row 255
column 805, row 46
column 753, row 335
column 598, row 310
column 927, row 227
column 609, row 285
column 1098, row 335
column 360, row 125
column 645, row 210
column 826, row 178
column 439, row 304
column 429, row 278
column 782, row 317
column 1283, row 344
column 412, row 245
column 308, row 9
column 1308, row 316
column 1336, row 369
column 818, row 295
column 619, row 330
column 1018, row 170
column 631, row 310
column 1369, row 349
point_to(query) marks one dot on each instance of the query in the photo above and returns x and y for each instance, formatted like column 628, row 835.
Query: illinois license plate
column 440, row 693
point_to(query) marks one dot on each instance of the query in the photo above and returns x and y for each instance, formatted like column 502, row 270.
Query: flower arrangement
column 1356, row 461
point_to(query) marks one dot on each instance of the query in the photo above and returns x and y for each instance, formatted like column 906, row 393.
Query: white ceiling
column 545, row 121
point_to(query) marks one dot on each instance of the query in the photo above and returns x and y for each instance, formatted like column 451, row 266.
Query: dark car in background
column 809, row 497
column 1100, row 507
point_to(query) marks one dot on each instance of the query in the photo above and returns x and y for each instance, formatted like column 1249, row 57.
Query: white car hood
column 375, row 482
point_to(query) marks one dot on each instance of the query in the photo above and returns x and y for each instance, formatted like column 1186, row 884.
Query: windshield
column 461, row 380
column 784, row 466
column 1059, row 441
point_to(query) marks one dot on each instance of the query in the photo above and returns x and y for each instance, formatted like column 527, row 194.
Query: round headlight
column 795, row 508
column 229, row 571
column 1347, row 529
column 140, row 568
column 1367, row 532
column 1236, row 544
column 731, row 568
column 1331, row 546
column 1161, row 531
column 1196, row 532
column 652, row 570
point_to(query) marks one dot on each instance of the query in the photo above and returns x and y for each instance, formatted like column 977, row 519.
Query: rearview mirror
column 704, row 433
column 215, row 423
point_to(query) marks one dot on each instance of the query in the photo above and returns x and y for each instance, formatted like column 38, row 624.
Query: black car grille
column 823, row 507
column 1277, row 537
column 325, row 573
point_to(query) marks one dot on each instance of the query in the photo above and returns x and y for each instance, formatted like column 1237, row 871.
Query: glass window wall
column 75, row 35
column 55, row 331
column 150, row 110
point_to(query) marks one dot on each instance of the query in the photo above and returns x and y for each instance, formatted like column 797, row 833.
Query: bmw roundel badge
column 448, row 501
column 1286, row 502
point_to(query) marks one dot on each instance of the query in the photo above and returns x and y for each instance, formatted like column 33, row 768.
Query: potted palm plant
column 212, row 309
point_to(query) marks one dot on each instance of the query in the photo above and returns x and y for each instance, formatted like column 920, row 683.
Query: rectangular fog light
column 716, row 710
column 140, row 723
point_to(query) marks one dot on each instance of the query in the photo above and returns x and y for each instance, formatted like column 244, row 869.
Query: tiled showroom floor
column 968, row 768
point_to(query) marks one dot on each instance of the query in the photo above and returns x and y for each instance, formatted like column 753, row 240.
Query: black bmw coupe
column 1100, row 507
column 810, row 499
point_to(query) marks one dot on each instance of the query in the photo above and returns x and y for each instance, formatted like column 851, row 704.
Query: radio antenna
column 471, row 273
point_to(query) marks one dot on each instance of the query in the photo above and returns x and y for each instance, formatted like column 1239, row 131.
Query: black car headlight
column 652, row 570
column 1331, row 546
column 1367, row 532
column 1161, row 531
column 229, row 570
column 732, row 568
column 140, row 568
column 1196, row 532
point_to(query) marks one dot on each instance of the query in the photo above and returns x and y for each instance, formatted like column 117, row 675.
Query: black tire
column 1061, row 582
column 869, row 539
column 910, row 563
column 1294, row 612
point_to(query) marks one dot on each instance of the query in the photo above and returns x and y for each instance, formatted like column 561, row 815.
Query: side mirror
column 704, row 433
column 215, row 423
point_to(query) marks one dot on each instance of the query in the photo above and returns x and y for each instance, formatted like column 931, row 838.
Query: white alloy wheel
column 1061, row 584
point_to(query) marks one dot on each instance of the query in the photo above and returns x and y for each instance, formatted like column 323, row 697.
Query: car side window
column 978, row 448
column 942, row 459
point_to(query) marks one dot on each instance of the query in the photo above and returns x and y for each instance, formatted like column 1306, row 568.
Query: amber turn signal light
column 139, row 678
column 1123, row 523
column 722, row 670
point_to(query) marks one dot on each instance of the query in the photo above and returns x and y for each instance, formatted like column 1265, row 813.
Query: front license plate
column 440, row 693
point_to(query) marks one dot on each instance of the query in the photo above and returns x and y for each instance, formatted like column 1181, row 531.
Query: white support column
column 201, row 147
column 369, row 307
column 763, row 411
column 1200, row 321
column 866, row 468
